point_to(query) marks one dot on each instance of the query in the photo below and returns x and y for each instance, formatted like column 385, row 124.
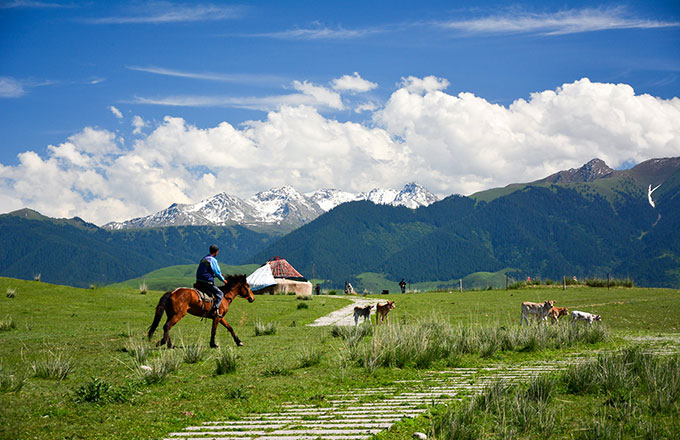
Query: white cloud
column 164, row 12
column 138, row 123
column 424, row 85
column 116, row 112
column 450, row 143
column 556, row 23
column 465, row 143
column 320, row 33
column 366, row 107
column 352, row 83
column 10, row 88
column 241, row 78
column 33, row 5
column 310, row 94
column 322, row 95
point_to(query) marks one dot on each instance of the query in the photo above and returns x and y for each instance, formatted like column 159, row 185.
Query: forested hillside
column 76, row 253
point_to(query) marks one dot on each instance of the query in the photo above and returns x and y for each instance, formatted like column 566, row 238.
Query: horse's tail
column 160, row 308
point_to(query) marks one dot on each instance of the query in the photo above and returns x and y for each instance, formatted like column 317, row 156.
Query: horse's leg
column 212, row 334
column 169, row 324
column 165, row 332
column 231, row 330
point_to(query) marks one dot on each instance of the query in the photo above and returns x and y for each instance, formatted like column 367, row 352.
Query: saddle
column 204, row 296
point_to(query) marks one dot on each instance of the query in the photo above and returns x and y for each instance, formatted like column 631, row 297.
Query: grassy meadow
column 70, row 358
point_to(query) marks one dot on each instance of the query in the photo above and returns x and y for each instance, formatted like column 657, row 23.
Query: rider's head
column 213, row 249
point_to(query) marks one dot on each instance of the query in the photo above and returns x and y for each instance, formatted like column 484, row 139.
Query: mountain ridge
column 284, row 208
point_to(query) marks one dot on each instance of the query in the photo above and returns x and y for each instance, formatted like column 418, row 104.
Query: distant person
column 208, row 269
column 346, row 288
column 317, row 289
column 402, row 284
column 350, row 289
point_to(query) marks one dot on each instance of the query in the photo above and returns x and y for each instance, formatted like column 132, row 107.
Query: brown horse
column 177, row 303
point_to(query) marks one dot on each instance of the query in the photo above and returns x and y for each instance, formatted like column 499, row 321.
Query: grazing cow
column 584, row 316
column 362, row 312
column 382, row 310
column 555, row 312
column 537, row 309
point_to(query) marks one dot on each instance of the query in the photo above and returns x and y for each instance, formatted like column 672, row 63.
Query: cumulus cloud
column 464, row 143
column 138, row 123
column 116, row 112
column 352, row 83
column 423, row 85
column 450, row 143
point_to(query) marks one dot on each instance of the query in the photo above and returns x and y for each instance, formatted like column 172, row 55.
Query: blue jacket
column 208, row 269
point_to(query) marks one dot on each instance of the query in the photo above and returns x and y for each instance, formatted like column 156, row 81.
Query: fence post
column 460, row 285
column 564, row 282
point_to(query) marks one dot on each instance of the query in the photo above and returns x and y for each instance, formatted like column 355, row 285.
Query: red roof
column 282, row 269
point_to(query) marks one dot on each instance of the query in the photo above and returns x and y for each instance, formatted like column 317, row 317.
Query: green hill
column 171, row 277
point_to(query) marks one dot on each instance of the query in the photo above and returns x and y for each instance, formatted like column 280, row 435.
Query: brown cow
column 555, row 312
column 382, row 310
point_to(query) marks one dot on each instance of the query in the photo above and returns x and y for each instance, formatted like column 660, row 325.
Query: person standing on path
column 402, row 284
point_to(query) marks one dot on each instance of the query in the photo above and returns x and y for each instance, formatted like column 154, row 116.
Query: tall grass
column 7, row 324
column 158, row 369
column 53, row 366
column 422, row 343
column 655, row 379
column 225, row 361
column 308, row 357
column 194, row 353
column 139, row 350
column 263, row 329
column 10, row 383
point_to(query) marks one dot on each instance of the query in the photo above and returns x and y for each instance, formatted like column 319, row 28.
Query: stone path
column 362, row 413
column 345, row 315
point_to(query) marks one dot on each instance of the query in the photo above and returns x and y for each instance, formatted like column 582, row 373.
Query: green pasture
column 94, row 331
column 377, row 282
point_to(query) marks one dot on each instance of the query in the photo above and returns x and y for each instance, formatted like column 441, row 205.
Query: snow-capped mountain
column 284, row 208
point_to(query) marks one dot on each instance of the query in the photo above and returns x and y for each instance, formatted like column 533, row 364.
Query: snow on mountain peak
column 277, row 206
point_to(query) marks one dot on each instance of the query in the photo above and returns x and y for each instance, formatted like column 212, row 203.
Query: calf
column 362, row 312
column 584, row 316
column 537, row 309
column 555, row 312
column 382, row 310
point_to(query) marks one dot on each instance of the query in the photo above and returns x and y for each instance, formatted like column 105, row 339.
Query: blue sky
column 357, row 94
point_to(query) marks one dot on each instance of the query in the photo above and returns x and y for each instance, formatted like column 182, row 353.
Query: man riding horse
column 208, row 269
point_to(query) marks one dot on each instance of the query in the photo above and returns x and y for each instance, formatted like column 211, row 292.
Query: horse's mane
column 232, row 280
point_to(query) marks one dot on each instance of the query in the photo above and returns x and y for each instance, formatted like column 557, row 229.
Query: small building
column 278, row 276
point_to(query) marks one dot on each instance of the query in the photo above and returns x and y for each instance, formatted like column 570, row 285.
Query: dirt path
column 345, row 315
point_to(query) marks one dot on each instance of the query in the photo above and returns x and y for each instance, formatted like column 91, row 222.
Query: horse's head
column 244, row 290
column 238, row 285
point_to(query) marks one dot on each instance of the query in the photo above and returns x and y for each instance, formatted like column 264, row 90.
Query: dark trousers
column 216, row 292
